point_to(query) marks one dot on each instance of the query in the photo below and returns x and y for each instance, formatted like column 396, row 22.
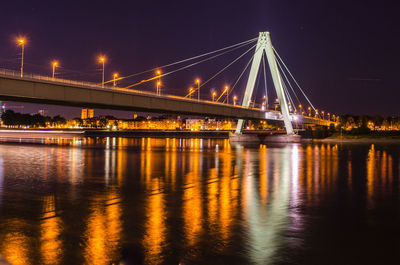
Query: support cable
column 287, row 80
column 226, row 67
column 293, row 79
column 179, row 69
column 232, row 47
column 240, row 76
column 288, row 97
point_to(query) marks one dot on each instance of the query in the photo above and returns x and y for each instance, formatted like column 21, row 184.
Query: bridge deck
column 46, row 90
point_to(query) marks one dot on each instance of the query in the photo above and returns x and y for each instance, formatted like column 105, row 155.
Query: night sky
column 345, row 54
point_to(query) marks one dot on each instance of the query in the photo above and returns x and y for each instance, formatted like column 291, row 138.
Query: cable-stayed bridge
column 16, row 86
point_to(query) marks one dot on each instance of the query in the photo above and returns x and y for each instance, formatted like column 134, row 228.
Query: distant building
column 43, row 112
column 84, row 114
column 90, row 113
column 87, row 114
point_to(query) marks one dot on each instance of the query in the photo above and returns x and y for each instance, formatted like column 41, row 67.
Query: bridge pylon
column 264, row 46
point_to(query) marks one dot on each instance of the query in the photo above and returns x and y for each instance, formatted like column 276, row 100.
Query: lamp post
column 54, row 64
column 115, row 76
column 234, row 100
column 158, row 82
column 198, row 88
column 227, row 94
column 190, row 92
column 21, row 42
column 158, row 87
column 102, row 60
column 213, row 95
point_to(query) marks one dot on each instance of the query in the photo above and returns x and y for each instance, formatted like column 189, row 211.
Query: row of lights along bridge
column 192, row 90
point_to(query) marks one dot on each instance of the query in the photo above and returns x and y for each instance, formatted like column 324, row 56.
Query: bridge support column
column 264, row 44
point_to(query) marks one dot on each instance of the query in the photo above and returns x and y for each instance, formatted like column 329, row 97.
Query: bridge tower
column 264, row 45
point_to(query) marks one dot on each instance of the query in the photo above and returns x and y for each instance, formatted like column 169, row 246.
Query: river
column 198, row 201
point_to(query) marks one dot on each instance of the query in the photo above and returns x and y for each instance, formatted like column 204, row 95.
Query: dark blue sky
column 344, row 53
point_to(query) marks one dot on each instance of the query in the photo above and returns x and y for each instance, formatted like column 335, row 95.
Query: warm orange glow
column 158, row 72
column 54, row 63
column 197, row 81
column 21, row 41
column 102, row 59
column 159, row 83
column 115, row 75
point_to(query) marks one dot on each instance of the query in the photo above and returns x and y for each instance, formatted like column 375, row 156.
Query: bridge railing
column 30, row 76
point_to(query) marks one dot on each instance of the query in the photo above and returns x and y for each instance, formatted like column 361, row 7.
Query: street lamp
column 158, row 87
column 54, row 64
column 234, row 100
column 102, row 60
column 158, row 82
column 21, row 41
column 213, row 95
column 198, row 88
column 190, row 92
column 115, row 76
column 227, row 94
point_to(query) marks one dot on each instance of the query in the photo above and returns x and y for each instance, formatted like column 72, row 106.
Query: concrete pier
column 264, row 138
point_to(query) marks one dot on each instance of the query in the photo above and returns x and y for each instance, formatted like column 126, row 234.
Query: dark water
column 171, row 201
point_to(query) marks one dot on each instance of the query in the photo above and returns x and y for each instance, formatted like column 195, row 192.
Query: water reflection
column 176, row 200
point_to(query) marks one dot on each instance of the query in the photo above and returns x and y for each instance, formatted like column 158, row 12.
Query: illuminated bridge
column 16, row 86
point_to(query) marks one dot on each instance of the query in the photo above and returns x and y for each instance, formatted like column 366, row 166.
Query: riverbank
column 359, row 139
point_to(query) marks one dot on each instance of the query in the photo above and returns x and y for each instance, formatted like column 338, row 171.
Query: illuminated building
column 87, row 114
column 84, row 113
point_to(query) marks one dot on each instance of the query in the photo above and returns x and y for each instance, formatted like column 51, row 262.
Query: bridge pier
column 261, row 138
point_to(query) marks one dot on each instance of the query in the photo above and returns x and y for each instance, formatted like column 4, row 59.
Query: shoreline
column 358, row 140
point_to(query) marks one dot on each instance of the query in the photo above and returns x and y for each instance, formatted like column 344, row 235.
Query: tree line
column 11, row 118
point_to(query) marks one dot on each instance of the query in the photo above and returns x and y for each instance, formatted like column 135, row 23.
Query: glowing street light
column 158, row 82
column 198, row 88
column 227, row 94
column 54, row 64
column 102, row 60
column 115, row 76
column 158, row 87
column 234, row 100
column 190, row 92
column 213, row 95
column 21, row 41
